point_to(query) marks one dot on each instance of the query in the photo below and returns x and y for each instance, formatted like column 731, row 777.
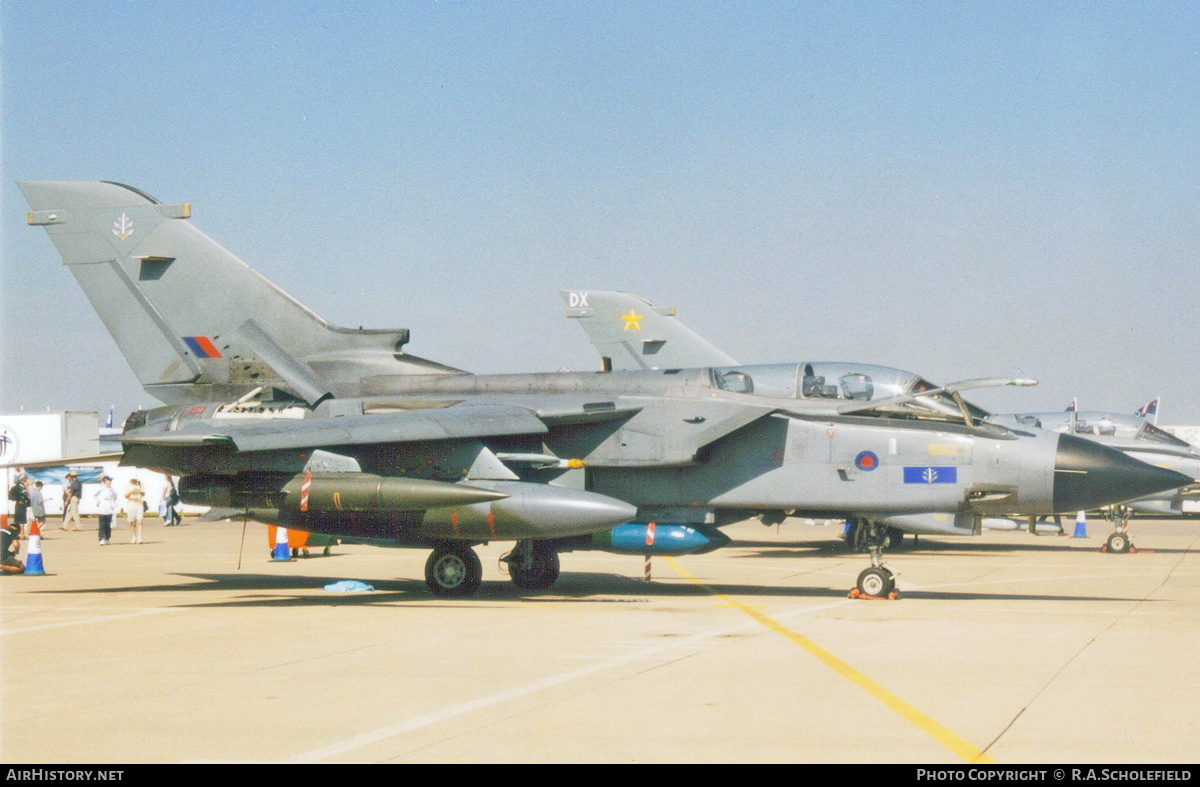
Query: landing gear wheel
column 876, row 582
column 541, row 573
column 453, row 570
column 1119, row 543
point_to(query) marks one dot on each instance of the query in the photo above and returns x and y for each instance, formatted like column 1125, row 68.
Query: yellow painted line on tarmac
column 921, row 721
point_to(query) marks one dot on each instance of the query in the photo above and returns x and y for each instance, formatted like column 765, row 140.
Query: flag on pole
column 108, row 423
column 1072, row 407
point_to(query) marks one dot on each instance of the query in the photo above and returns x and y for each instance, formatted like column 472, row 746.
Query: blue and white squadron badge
column 931, row 475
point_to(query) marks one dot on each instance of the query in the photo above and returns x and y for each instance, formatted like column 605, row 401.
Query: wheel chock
column 891, row 596
column 1132, row 550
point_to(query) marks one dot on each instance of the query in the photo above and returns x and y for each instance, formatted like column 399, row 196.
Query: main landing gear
column 532, row 565
column 878, row 581
column 453, row 570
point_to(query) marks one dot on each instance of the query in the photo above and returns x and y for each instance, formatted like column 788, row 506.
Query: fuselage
column 690, row 445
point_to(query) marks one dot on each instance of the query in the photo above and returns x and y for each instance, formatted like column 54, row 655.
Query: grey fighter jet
column 630, row 332
column 339, row 431
column 1136, row 437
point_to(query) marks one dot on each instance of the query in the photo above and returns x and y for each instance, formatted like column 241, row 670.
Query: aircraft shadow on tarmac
column 583, row 587
column 829, row 548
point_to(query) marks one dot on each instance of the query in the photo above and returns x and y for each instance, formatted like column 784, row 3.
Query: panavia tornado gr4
column 273, row 411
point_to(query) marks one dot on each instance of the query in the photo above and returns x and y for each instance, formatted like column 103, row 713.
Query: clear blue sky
column 957, row 189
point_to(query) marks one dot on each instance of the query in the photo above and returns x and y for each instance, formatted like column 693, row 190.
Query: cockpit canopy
column 835, row 381
column 1096, row 424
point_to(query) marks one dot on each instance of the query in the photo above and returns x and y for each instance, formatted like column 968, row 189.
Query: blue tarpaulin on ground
column 349, row 586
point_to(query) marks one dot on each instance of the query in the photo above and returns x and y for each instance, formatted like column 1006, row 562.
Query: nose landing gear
column 1119, row 541
column 879, row 581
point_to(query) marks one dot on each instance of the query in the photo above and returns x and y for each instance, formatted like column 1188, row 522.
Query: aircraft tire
column 1119, row 543
column 541, row 575
column 875, row 582
column 453, row 571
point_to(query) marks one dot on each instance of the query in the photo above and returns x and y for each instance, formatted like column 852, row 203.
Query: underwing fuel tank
column 529, row 511
column 372, row 506
column 657, row 539
column 367, row 492
column 356, row 492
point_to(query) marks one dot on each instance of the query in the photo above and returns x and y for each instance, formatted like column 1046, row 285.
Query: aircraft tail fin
column 194, row 321
column 632, row 333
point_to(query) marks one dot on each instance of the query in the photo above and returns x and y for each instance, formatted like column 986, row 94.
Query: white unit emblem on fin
column 10, row 446
column 123, row 227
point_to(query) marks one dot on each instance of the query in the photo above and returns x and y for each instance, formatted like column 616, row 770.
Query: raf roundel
column 867, row 460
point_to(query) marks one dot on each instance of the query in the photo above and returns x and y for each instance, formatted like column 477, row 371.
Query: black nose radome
column 1089, row 475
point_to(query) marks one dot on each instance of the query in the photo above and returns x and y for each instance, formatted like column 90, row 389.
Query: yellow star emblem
column 632, row 320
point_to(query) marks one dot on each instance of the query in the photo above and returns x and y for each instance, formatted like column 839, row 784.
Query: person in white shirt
column 106, row 506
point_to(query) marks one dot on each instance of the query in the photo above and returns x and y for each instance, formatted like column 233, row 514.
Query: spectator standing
column 135, row 509
column 171, row 504
column 19, row 496
column 106, row 506
column 37, row 505
column 72, row 491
